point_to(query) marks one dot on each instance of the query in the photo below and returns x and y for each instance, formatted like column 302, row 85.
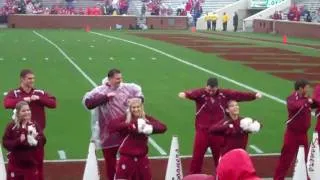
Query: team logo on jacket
column 123, row 166
column 12, row 174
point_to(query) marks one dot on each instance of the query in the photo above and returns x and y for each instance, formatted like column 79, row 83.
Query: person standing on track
column 234, row 128
column 316, row 97
column 110, row 101
column 211, row 103
column 37, row 99
column 135, row 127
column 23, row 138
column 299, row 105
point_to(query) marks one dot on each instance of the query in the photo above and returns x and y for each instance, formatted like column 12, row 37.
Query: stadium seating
column 311, row 5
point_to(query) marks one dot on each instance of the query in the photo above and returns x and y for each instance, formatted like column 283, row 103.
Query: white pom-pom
column 141, row 125
column 31, row 140
column 148, row 129
column 255, row 127
column 32, row 131
column 245, row 123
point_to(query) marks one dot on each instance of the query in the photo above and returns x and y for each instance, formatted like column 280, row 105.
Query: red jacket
column 210, row 109
column 299, row 113
column 236, row 165
column 37, row 107
column 234, row 137
column 316, row 98
column 21, row 154
column 134, row 143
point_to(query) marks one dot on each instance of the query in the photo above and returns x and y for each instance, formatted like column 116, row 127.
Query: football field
column 68, row 63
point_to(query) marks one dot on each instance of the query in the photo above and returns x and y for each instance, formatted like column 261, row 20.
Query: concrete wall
column 97, row 22
column 289, row 28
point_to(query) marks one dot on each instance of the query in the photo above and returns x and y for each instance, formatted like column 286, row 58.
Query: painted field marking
column 46, row 58
column 62, row 154
column 90, row 58
column 194, row 66
column 256, row 149
column 92, row 46
column 24, row 59
column 111, row 58
column 5, row 93
column 152, row 142
column 133, row 58
column 1, row 59
column 159, row 157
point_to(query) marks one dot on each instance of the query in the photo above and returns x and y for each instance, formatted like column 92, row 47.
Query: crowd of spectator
column 107, row 7
column 298, row 13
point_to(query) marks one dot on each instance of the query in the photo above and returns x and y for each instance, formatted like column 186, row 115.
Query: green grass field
column 161, row 77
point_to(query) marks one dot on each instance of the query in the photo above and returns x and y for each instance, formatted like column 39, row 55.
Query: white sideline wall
column 241, row 7
column 265, row 14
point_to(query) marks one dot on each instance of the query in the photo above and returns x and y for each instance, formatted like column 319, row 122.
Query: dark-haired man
column 299, row 105
column 110, row 101
column 38, row 100
column 211, row 101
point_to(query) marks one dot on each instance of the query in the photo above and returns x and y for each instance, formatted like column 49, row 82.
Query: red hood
column 236, row 165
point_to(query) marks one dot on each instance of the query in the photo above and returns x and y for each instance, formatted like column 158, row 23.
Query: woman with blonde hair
column 135, row 128
column 22, row 139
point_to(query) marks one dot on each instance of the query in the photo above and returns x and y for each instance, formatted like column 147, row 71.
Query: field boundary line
column 152, row 142
column 161, row 157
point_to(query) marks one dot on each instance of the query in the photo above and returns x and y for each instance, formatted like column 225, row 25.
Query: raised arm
column 220, row 128
column 241, row 96
column 158, row 127
column 191, row 94
column 96, row 98
column 48, row 100
column 10, row 142
column 10, row 100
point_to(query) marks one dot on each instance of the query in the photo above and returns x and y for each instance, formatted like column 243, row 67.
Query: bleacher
column 207, row 6
column 212, row 5
column 76, row 3
column 311, row 5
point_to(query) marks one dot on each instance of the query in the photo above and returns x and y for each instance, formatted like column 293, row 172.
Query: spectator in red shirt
column 135, row 128
column 23, row 138
column 299, row 105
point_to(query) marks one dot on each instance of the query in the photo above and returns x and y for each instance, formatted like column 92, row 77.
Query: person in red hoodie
column 135, row 128
column 234, row 128
column 234, row 165
column 23, row 138
column 37, row 99
column 299, row 105
column 316, row 98
column 211, row 103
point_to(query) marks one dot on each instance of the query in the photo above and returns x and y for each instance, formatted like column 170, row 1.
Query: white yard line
column 153, row 143
column 62, row 154
column 256, row 149
column 194, row 66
